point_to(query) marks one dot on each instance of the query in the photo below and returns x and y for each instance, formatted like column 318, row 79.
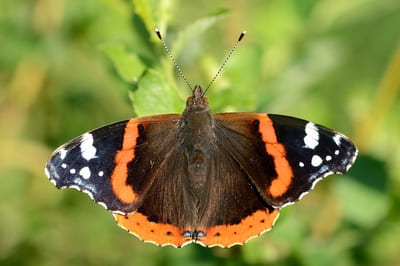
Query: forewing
column 97, row 162
column 284, row 156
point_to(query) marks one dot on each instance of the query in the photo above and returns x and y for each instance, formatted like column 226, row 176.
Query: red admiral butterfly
column 213, row 179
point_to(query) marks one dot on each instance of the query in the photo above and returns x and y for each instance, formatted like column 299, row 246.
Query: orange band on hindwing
column 119, row 177
column 229, row 235
column 157, row 233
column 283, row 169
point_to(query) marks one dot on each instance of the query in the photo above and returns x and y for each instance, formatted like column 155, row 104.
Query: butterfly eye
column 189, row 101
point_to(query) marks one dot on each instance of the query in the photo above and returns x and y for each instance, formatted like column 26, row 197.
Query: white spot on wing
column 316, row 161
column 311, row 140
column 301, row 164
column 63, row 153
column 64, row 165
column 87, row 149
column 337, row 139
column 101, row 173
column 337, row 152
column 72, row 171
column 85, row 172
column 328, row 158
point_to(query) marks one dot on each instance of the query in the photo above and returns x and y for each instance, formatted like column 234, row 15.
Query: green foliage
column 69, row 66
column 128, row 65
column 155, row 96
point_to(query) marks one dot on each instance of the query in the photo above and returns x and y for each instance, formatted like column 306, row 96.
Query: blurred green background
column 70, row 66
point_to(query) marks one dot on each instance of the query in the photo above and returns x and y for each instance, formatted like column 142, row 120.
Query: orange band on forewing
column 121, row 189
column 283, row 169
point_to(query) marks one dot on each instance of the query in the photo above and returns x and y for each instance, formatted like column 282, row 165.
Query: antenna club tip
column 157, row 31
column 241, row 35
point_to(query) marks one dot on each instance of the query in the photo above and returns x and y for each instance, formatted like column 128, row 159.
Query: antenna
column 180, row 70
column 225, row 61
column 172, row 58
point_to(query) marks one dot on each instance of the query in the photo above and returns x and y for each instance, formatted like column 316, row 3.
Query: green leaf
column 155, row 96
column 148, row 16
column 164, row 13
column 154, row 13
column 232, row 84
column 194, row 30
column 128, row 65
column 143, row 9
column 364, row 200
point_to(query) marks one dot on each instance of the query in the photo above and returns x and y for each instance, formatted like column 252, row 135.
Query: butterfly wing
column 256, row 163
column 97, row 162
column 234, row 211
column 284, row 156
column 138, row 170
column 179, row 207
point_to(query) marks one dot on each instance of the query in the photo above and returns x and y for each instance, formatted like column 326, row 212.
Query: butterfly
column 213, row 179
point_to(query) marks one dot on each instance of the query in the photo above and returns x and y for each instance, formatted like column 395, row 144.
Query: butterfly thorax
column 197, row 120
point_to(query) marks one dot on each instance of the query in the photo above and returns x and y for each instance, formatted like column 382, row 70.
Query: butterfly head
column 197, row 101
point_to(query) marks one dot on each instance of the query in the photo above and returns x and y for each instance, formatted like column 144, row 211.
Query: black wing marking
column 87, row 162
column 311, row 152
